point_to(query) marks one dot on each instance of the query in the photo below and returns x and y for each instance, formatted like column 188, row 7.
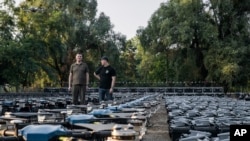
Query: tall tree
column 40, row 37
column 56, row 29
column 203, row 40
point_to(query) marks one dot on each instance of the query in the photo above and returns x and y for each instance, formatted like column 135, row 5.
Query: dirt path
column 158, row 129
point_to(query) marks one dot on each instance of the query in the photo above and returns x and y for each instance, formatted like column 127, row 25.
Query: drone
column 127, row 120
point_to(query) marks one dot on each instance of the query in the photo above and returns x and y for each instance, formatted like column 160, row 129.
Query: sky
column 127, row 15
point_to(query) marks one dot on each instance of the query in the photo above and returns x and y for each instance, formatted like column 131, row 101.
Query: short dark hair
column 79, row 52
column 105, row 58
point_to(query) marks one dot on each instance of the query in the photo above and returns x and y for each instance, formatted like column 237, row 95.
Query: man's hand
column 69, row 89
column 111, row 90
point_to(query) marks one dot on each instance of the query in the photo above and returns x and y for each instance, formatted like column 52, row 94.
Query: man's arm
column 70, row 80
column 87, row 78
column 97, row 76
column 112, row 84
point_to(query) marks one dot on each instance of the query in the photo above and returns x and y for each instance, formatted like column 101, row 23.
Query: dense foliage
column 185, row 41
column 205, row 41
column 39, row 40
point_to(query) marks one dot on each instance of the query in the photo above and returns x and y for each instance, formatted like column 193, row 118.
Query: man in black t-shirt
column 107, row 76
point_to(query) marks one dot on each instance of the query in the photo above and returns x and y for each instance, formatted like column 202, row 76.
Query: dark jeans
column 105, row 95
column 78, row 91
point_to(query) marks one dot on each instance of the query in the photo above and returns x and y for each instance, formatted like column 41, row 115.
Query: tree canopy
column 185, row 41
column 201, row 40
column 40, row 38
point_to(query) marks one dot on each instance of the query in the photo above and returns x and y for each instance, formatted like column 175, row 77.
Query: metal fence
column 119, row 84
column 57, row 92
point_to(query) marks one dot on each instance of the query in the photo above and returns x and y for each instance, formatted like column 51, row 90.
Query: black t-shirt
column 106, row 74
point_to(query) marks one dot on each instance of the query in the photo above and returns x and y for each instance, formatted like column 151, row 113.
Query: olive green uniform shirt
column 79, row 73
